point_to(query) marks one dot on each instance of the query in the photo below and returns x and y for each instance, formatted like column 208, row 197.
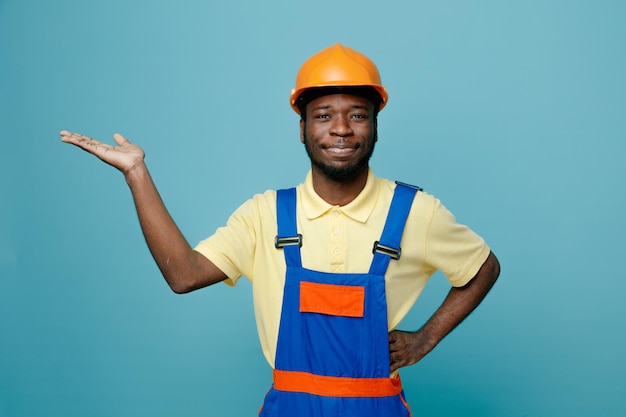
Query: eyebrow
column 328, row 106
column 321, row 107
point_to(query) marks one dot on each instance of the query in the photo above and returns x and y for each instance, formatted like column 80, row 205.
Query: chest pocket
column 333, row 300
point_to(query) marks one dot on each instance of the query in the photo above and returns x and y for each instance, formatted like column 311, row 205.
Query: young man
column 336, row 262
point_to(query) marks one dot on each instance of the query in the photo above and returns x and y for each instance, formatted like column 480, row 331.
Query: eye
column 322, row 116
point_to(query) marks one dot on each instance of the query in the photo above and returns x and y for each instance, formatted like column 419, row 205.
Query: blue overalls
column 332, row 356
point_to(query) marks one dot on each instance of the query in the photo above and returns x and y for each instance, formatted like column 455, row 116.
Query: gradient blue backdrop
column 513, row 113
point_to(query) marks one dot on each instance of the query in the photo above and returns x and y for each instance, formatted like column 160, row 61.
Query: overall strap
column 288, row 238
column 388, row 247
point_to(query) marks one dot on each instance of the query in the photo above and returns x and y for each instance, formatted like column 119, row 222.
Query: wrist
column 137, row 173
column 426, row 341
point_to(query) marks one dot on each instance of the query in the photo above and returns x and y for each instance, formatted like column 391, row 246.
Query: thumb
column 119, row 139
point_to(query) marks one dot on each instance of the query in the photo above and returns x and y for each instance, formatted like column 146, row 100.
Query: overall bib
column 332, row 356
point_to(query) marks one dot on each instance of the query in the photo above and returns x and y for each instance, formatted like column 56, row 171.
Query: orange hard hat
column 338, row 66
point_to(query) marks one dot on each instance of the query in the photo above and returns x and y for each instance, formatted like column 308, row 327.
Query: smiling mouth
column 340, row 150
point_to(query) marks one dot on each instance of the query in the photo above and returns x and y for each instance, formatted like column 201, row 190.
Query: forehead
column 340, row 101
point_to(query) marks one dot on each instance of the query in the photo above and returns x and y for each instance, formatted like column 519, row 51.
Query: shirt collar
column 358, row 209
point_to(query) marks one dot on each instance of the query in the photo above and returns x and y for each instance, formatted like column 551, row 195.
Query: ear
column 376, row 129
column 302, row 127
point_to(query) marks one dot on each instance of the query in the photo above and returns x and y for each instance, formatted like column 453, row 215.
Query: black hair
column 311, row 94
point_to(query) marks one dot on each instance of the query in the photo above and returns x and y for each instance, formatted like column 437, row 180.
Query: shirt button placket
column 336, row 239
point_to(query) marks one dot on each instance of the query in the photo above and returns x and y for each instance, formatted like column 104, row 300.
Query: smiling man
column 339, row 133
column 336, row 262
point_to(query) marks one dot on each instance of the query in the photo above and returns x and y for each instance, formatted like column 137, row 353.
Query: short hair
column 311, row 94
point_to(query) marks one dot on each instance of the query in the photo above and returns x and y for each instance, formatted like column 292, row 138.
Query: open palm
column 125, row 156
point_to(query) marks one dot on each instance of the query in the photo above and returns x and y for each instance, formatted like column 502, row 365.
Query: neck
column 338, row 193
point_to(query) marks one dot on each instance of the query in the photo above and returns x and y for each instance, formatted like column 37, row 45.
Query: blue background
column 512, row 113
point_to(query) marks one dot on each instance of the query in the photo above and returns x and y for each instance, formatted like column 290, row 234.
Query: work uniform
column 339, row 240
column 332, row 357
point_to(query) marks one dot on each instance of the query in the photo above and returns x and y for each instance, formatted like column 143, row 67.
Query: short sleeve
column 453, row 248
column 231, row 248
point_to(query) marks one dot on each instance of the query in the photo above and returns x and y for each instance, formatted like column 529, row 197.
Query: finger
column 397, row 361
column 67, row 133
column 120, row 140
column 88, row 144
column 395, row 338
column 83, row 141
column 77, row 136
column 393, row 347
column 66, row 136
column 396, row 347
column 393, row 365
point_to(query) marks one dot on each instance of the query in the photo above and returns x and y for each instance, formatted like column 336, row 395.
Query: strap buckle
column 393, row 253
column 415, row 187
column 281, row 242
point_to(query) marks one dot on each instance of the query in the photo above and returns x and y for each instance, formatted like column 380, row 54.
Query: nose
column 341, row 127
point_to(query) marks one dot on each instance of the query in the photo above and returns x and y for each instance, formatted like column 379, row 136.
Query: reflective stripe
column 333, row 386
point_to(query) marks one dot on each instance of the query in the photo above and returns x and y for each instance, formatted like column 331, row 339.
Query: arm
column 407, row 348
column 183, row 268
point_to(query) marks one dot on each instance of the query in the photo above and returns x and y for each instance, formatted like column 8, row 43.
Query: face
column 339, row 135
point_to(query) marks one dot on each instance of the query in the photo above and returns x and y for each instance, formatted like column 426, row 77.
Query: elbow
column 496, row 266
column 493, row 267
column 180, row 289
column 486, row 276
column 183, row 284
column 191, row 276
column 180, row 285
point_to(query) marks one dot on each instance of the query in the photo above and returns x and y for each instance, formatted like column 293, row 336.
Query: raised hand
column 125, row 156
